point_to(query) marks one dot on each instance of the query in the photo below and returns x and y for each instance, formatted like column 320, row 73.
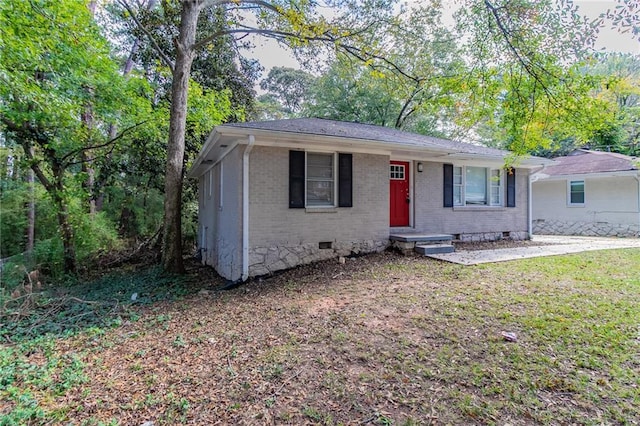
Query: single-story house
column 587, row 193
column 276, row 194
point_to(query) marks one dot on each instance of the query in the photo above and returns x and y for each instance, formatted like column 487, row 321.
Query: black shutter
column 448, row 185
column 345, row 179
column 511, row 187
column 296, row 179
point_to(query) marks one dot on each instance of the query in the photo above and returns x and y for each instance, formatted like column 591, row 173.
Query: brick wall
column 472, row 223
column 281, row 237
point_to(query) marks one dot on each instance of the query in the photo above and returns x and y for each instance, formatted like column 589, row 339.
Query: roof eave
column 541, row 175
column 233, row 135
column 527, row 162
column 281, row 138
column 200, row 161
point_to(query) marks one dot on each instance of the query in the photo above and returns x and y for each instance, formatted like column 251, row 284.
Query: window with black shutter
column 477, row 186
column 448, row 185
column 511, row 187
column 345, row 180
column 311, row 179
column 296, row 179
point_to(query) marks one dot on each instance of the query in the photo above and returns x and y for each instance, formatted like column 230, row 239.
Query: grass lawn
column 382, row 339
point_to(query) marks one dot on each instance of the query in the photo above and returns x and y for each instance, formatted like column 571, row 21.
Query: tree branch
column 505, row 35
column 210, row 3
column 165, row 58
column 35, row 166
column 88, row 148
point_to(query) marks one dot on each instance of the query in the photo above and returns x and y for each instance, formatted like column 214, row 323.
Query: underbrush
column 73, row 305
column 32, row 325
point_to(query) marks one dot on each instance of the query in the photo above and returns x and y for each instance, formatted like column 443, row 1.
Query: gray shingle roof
column 584, row 161
column 368, row 132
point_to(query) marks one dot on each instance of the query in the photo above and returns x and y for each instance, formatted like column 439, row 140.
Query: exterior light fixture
column 420, row 167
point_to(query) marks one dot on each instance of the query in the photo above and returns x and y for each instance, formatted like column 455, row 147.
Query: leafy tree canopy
column 60, row 90
column 411, row 83
column 289, row 87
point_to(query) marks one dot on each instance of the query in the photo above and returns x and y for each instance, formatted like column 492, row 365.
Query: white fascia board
column 211, row 140
column 519, row 163
column 211, row 154
column 533, row 162
column 584, row 176
column 319, row 145
column 496, row 163
column 310, row 141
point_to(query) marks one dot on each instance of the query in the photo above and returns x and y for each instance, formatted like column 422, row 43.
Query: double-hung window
column 576, row 193
column 320, row 179
column 495, row 183
column 477, row 186
column 457, row 186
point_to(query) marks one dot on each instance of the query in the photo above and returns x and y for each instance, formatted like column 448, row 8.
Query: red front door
column 399, row 193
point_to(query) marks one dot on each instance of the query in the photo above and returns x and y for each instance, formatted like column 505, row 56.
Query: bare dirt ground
column 381, row 339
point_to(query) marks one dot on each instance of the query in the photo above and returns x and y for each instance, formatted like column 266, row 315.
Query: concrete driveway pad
column 553, row 245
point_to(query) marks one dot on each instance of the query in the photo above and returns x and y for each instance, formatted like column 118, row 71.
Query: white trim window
column 396, row 171
column 477, row 186
column 320, row 179
column 575, row 192
column 496, row 187
column 457, row 186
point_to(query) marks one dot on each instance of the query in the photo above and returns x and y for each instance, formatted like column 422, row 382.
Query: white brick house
column 276, row 194
column 588, row 193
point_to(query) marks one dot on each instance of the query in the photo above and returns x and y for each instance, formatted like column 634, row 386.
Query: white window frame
column 397, row 172
column 459, row 185
column 584, row 193
column 334, row 177
column 496, row 183
column 490, row 183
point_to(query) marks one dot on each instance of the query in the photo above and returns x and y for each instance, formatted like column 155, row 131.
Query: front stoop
column 422, row 243
column 434, row 249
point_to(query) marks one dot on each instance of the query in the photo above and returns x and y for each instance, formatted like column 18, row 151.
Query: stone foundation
column 493, row 236
column 266, row 260
column 588, row 229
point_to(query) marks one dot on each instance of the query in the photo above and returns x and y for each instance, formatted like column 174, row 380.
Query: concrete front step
column 419, row 238
column 434, row 243
column 434, row 248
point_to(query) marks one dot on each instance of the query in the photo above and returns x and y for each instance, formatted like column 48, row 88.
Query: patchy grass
column 380, row 340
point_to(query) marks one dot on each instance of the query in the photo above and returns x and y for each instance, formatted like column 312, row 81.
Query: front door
column 399, row 193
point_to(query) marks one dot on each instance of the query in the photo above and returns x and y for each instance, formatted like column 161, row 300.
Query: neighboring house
column 276, row 194
column 587, row 193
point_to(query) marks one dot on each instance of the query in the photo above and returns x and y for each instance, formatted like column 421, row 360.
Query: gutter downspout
column 245, row 208
column 530, row 209
column 532, row 179
column 638, row 180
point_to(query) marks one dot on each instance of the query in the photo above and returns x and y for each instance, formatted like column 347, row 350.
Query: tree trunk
column 66, row 231
column 56, row 190
column 172, row 229
column 88, row 184
column 31, row 212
